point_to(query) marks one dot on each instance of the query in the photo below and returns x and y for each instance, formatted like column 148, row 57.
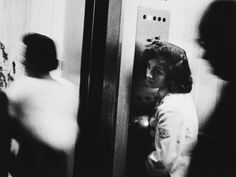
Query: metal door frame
column 99, row 83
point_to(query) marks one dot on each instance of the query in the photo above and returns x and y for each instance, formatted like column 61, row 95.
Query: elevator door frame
column 100, row 70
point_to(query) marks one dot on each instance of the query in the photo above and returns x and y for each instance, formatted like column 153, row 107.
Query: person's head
column 40, row 54
column 217, row 35
column 167, row 67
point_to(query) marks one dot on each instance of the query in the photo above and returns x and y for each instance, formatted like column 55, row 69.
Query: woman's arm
column 168, row 136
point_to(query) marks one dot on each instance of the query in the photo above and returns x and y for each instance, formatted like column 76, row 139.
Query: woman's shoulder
column 174, row 99
column 176, row 103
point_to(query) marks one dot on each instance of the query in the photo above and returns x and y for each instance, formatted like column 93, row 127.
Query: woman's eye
column 156, row 72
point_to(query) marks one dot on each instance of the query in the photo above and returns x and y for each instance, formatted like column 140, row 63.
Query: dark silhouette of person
column 43, row 112
column 215, row 153
column 4, row 136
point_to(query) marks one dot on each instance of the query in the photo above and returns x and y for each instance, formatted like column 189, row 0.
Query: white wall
column 73, row 36
column 62, row 20
column 12, row 27
column 47, row 17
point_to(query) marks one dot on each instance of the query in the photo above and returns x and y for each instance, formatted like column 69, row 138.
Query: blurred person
column 43, row 112
column 215, row 153
column 174, row 122
column 4, row 136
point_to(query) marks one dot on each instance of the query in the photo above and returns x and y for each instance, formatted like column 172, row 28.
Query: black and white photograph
column 117, row 88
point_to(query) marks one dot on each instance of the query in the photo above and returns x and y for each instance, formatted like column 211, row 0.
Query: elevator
column 100, row 44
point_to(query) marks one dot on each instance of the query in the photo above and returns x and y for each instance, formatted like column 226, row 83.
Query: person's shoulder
column 67, row 84
column 176, row 99
column 175, row 103
column 171, row 99
column 19, row 86
column 20, row 81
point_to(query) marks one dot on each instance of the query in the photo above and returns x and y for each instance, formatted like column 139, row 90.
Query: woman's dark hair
column 40, row 54
column 178, row 73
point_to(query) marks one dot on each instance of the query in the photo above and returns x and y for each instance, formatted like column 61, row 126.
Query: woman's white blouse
column 176, row 131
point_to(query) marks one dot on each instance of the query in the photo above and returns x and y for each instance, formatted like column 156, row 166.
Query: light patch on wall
column 47, row 17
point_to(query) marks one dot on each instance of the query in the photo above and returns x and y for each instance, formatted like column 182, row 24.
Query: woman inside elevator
column 173, row 123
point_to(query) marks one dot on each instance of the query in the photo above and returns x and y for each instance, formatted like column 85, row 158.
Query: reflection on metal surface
column 151, row 24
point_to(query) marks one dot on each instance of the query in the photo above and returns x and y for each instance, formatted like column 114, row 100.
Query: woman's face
column 155, row 74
